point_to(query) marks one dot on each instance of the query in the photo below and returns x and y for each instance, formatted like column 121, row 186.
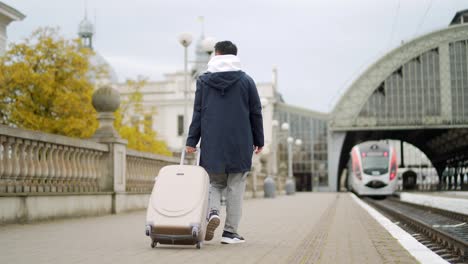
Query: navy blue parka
column 227, row 117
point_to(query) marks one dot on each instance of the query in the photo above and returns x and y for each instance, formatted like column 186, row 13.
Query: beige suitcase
column 178, row 204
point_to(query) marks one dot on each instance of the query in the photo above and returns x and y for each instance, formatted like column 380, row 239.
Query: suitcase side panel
column 177, row 229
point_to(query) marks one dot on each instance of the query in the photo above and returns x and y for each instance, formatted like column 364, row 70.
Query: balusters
column 28, row 163
column 92, row 174
column 52, row 179
column 140, row 173
column 41, row 182
column 3, row 163
column 15, row 170
column 100, row 169
column 93, row 178
column 84, row 180
column 72, row 167
column 34, row 168
column 79, row 170
column 87, row 170
column 68, row 170
column 22, row 166
column 84, row 170
column 55, row 182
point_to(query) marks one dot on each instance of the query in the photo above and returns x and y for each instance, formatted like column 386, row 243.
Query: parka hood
column 223, row 71
column 221, row 81
column 224, row 63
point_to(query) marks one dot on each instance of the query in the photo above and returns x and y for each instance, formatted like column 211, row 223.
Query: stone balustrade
column 34, row 162
column 142, row 168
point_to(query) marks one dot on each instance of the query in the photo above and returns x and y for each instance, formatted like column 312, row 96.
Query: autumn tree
column 44, row 85
column 47, row 82
column 138, row 131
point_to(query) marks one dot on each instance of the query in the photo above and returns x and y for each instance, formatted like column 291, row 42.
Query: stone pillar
column 445, row 83
column 335, row 144
column 106, row 100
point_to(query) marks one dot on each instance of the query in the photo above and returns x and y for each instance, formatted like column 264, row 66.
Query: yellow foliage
column 139, row 133
column 44, row 85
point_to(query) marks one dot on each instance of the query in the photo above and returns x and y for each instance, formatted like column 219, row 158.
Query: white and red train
column 372, row 169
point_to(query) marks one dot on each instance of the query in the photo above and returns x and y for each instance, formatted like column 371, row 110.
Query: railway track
column 444, row 232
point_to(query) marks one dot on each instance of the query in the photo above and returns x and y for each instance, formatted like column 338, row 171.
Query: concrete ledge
column 47, row 206
column 12, row 209
column 44, row 207
column 125, row 202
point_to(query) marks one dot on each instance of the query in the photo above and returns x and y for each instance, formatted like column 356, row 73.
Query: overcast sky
column 319, row 46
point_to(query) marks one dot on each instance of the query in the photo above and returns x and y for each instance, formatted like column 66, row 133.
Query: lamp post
column 185, row 39
column 289, row 187
column 290, row 183
column 208, row 45
column 274, row 144
column 298, row 144
column 269, row 186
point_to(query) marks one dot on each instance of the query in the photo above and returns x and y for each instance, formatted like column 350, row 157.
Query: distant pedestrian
column 228, row 117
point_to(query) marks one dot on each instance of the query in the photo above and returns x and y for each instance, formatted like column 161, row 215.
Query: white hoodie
column 224, row 63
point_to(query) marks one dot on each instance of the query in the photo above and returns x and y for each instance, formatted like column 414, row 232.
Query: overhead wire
column 423, row 17
column 395, row 20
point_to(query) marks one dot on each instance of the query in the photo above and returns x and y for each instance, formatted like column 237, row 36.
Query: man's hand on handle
column 258, row 149
column 190, row 149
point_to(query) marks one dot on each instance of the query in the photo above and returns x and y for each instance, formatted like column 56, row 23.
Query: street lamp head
column 208, row 45
column 275, row 123
column 264, row 102
column 290, row 140
column 298, row 142
column 185, row 39
column 285, row 126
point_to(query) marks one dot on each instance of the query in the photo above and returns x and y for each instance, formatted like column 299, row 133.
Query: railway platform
column 451, row 201
column 303, row 228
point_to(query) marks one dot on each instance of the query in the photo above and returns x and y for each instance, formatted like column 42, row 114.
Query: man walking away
column 228, row 117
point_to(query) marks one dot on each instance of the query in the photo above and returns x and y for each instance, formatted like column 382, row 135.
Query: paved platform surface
column 452, row 201
column 304, row 228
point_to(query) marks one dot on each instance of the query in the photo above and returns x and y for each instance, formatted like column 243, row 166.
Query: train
column 372, row 169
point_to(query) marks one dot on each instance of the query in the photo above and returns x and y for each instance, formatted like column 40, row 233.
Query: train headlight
column 356, row 164
column 393, row 166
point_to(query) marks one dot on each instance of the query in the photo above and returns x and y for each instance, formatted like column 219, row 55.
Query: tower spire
column 201, row 19
column 86, row 29
column 85, row 9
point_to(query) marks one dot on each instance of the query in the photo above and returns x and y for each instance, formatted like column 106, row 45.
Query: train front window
column 375, row 165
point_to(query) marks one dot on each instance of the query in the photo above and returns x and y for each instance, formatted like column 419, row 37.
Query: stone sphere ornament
column 106, row 99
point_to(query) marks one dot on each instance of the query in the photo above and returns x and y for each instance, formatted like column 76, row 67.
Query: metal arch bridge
column 417, row 93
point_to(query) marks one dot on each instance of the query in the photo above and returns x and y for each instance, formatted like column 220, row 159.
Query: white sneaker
column 231, row 238
column 213, row 223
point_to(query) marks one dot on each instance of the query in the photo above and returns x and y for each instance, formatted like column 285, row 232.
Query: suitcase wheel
column 194, row 232
column 153, row 244
column 198, row 245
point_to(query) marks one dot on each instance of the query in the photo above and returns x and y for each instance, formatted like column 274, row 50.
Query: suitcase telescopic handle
column 182, row 157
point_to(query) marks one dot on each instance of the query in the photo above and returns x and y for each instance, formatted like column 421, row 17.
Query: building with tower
column 86, row 33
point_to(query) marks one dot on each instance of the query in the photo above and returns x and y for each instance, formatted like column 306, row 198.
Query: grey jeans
column 234, row 183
